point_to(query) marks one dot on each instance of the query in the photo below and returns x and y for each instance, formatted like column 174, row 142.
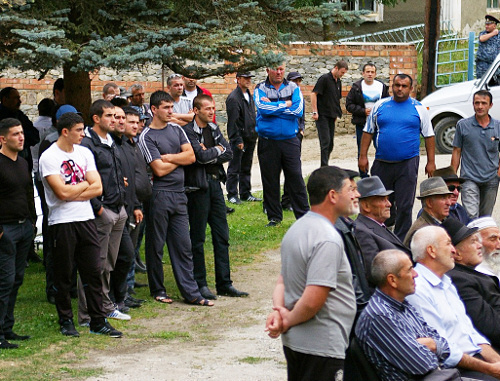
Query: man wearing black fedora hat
column 479, row 292
column 488, row 46
column 436, row 200
column 370, row 231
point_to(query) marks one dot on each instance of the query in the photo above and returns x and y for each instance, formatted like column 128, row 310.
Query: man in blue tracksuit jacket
column 279, row 107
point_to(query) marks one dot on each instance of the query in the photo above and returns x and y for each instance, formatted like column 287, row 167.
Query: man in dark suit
column 479, row 292
column 370, row 231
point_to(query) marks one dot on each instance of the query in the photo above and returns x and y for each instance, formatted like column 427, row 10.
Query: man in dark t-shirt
column 166, row 149
column 325, row 104
column 15, row 180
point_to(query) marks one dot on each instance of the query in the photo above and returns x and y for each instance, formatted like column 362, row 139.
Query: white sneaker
column 118, row 315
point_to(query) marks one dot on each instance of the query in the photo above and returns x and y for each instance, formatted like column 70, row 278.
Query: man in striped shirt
column 393, row 336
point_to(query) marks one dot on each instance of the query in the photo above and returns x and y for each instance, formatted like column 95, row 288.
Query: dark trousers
column 76, row 244
column 359, row 134
column 238, row 171
column 285, row 198
column 14, row 246
column 326, row 131
column 401, row 177
column 304, row 367
column 167, row 221
column 274, row 156
column 118, row 277
column 208, row 206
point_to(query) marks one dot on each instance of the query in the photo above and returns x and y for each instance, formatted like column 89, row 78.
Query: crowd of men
column 392, row 286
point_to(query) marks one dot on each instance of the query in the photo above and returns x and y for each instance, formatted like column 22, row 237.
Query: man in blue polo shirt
column 398, row 122
column 476, row 146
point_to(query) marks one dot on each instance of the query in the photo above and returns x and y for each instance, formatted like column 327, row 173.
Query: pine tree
column 197, row 38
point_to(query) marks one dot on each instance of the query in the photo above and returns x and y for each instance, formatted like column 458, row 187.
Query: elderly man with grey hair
column 436, row 201
column 393, row 336
column 137, row 99
column 490, row 238
column 436, row 299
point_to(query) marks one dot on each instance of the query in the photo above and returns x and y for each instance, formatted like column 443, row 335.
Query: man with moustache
column 370, row 230
column 436, row 200
column 490, row 239
column 436, row 299
column 397, row 124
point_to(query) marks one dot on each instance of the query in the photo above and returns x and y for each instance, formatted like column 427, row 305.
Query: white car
column 450, row 104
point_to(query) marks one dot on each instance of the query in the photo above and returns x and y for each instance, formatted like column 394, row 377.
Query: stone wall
column 389, row 59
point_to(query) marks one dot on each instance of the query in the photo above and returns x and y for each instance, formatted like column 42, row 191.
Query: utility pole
column 431, row 36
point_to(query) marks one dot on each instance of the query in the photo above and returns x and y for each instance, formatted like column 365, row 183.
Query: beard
column 493, row 260
column 354, row 210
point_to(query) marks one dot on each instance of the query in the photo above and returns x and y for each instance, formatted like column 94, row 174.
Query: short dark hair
column 404, row 76
column 369, row 64
column 5, row 92
column 199, row 99
column 324, row 179
column 58, row 85
column 160, row 96
column 342, row 65
column 68, row 120
column 119, row 102
column 131, row 111
column 6, row 124
column 483, row 93
column 46, row 107
column 97, row 108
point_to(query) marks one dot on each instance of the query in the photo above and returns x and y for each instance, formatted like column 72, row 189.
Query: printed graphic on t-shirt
column 73, row 174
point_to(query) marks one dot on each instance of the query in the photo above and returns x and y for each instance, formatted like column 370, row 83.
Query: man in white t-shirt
column 362, row 96
column 70, row 180
column 183, row 106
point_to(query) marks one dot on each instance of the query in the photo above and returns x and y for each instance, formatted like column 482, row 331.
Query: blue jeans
column 14, row 246
column 479, row 199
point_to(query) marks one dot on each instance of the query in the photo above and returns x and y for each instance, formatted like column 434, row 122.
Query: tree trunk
column 77, row 91
column 431, row 36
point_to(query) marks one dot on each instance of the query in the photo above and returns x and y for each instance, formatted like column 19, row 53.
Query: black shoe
column 229, row 210
column 140, row 267
column 16, row 337
column 139, row 285
column 68, row 329
column 34, row 257
column 232, row 292
column 105, row 329
column 131, row 304
column 122, row 307
column 4, row 344
column 287, row 207
column 206, row 293
column 136, row 300
column 272, row 222
column 234, row 200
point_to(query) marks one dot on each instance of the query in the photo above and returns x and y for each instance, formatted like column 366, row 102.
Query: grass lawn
column 49, row 356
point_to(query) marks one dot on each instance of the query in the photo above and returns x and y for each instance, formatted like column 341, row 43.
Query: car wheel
column 445, row 132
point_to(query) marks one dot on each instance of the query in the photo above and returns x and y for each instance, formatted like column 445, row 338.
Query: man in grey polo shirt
column 476, row 146
column 314, row 302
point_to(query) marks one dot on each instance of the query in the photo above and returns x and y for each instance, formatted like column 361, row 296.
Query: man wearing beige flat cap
column 436, row 201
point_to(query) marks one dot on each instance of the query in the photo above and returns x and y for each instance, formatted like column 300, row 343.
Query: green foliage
column 196, row 38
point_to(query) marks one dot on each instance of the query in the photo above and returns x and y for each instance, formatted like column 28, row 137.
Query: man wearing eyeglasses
column 475, row 149
column 488, row 46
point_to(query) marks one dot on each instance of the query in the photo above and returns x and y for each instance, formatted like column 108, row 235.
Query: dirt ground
column 227, row 342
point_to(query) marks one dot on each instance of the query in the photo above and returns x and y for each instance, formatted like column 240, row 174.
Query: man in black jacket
column 361, row 98
column 479, row 292
column 240, row 110
column 205, row 198
column 109, row 208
